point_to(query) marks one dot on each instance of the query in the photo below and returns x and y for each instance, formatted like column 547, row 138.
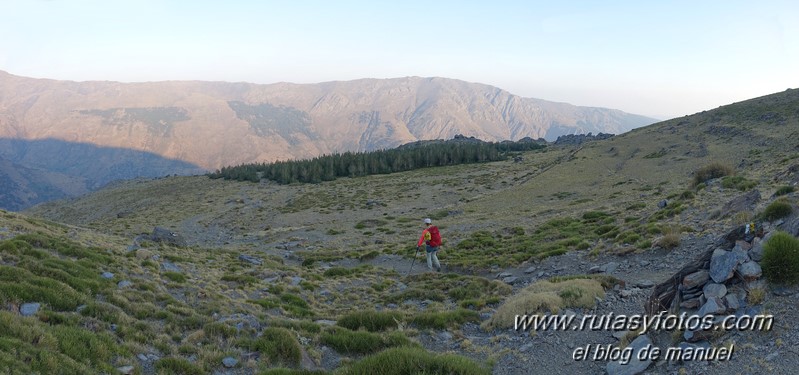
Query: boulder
column 250, row 259
column 170, row 267
column 713, row 290
column 29, row 309
column 732, row 302
column 712, row 306
column 723, row 266
column 230, row 362
column 166, row 236
column 750, row 271
column 635, row 365
column 696, row 279
column 756, row 252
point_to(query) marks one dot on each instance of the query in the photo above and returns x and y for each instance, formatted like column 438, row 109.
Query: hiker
column 432, row 239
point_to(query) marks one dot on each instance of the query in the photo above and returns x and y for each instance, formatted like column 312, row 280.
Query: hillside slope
column 327, row 269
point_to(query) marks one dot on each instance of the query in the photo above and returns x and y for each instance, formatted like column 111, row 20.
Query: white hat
column 428, row 221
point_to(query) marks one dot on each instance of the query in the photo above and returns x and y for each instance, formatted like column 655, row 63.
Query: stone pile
column 722, row 287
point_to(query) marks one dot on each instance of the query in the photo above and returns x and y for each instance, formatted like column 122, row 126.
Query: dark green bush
column 785, row 190
column 781, row 258
column 776, row 210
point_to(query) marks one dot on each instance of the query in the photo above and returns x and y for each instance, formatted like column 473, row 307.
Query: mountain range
column 209, row 125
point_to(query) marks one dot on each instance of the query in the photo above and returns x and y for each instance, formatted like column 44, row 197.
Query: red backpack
column 435, row 237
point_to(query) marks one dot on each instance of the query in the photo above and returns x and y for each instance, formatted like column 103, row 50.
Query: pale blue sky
column 656, row 58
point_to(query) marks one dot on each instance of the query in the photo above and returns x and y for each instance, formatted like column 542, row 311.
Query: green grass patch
column 175, row 276
column 737, row 182
column 405, row 360
column 361, row 342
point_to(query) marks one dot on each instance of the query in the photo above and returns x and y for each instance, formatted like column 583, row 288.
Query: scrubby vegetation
column 781, row 258
column 547, row 297
column 400, row 361
column 711, row 171
column 777, row 210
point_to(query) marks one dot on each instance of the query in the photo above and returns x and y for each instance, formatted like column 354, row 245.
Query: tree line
column 356, row 164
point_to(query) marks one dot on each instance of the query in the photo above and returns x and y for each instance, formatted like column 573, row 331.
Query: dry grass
column 545, row 296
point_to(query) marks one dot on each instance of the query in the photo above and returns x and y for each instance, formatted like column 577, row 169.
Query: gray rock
column 107, row 275
column 250, row 259
column 296, row 280
column 163, row 235
column 325, row 322
column 741, row 246
column 594, row 269
column 126, row 370
column 270, row 280
column 610, row 267
column 29, row 309
column 142, row 357
column 663, row 203
column 645, row 284
column 756, row 252
column 750, row 271
column 695, row 279
column 170, row 267
column 712, row 306
column 124, row 284
column 504, row 275
column 693, row 303
column 713, row 290
column 445, row 336
column 230, row 362
column 530, row 270
column 722, row 267
column 696, row 336
column 732, row 302
column 634, row 366
column 511, row 280
column 783, row 291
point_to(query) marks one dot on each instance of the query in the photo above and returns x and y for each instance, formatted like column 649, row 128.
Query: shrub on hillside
column 784, row 190
column 407, row 360
column 711, row 171
column 545, row 296
column 279, row 346
column 776, row 210
column 781, row 258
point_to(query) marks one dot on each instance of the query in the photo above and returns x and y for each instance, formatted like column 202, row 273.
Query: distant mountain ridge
column 215, row 124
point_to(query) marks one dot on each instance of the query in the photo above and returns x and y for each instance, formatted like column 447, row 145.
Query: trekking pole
column 414, row 260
